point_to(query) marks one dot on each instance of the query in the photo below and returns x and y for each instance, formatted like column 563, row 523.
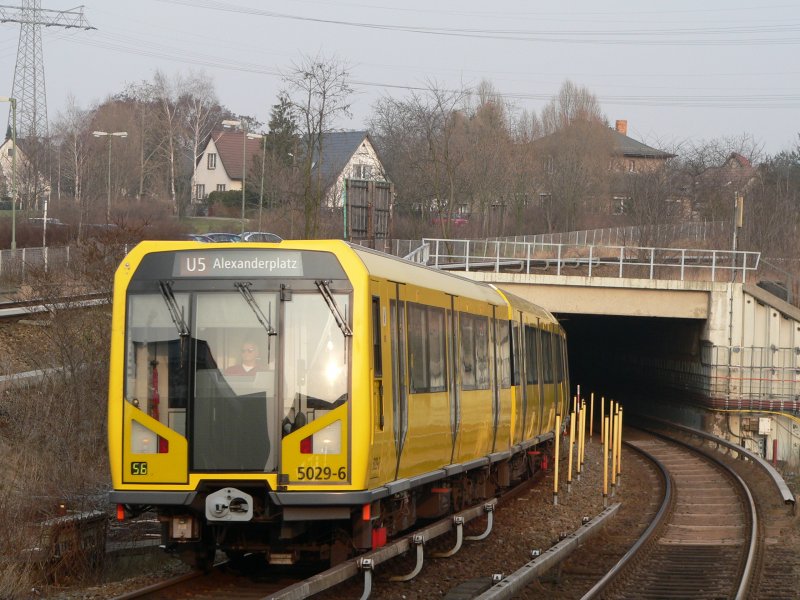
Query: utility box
column 764, row 425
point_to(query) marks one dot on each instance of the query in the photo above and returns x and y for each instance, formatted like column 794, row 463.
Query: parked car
column 41, row 221
column 261, row 236
column 197, row 237
column 223, row 237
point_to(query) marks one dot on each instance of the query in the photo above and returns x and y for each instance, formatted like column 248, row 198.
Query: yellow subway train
column 307, row 399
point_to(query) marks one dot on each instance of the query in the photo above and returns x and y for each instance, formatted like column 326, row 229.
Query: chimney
column 622, row 126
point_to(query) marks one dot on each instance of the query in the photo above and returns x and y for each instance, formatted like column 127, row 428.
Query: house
column 716, row 188
column 588, row 164
column 31, row 184
column 345, row 155
column 220, row 166
column 632, row 156
column 6, row 166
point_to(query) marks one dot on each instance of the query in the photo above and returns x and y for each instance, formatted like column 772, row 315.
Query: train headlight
column 143, row 440
column 327, row 440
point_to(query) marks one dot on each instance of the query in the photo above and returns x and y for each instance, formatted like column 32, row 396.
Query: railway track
column 706, row 540
column 17, row 309
column 695, row 534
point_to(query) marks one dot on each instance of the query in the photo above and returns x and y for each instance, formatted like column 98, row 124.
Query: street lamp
column 13, row 102
column 242, row 125
column 109, row 135
column 255, row 136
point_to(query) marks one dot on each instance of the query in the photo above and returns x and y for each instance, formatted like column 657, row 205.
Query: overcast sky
column 678, row 71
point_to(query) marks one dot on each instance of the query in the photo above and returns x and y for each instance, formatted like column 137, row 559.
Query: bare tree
column 167, row 93
column 320, row 92
column 573, row 174
column 572, row 104
column 72, row 128
column 201, row 112
column 417, row 137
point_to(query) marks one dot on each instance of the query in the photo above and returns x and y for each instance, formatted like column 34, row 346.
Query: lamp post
column 13, row 102
column 242, row 125
column 255, row 136
column 109, row 135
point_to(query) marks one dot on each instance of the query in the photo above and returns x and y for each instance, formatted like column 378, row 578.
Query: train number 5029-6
column 320, row 473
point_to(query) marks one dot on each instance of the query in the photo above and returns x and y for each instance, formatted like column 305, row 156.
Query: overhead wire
column 153, row 47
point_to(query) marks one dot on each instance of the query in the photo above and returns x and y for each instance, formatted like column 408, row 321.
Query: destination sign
column 238, row 263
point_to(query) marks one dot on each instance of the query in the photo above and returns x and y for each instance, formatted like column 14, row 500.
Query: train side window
column 558, row 358
column 531, row 357
column 417, row 355
column 474, row 332
column 482, row 379
column 504, row 351
column 377, row 357
column 426, row 349
column 547, row 352
column 437, row 349
column 515, row 353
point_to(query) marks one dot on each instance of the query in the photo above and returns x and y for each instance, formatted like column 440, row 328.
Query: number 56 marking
column 138, row 468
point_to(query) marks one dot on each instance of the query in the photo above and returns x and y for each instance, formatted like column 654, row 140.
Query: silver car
column 261, row 236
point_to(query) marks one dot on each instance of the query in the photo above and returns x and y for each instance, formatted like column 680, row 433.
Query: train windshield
column 206, row 364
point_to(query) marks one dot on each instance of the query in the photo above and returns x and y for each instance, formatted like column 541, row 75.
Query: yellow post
column 619, row 449
column 591, row 417
column 579, row 440
column 582, row 437
column 613, row 452
column 602, row 417
column 569, row 461
column 605, row 462
column 555, row 459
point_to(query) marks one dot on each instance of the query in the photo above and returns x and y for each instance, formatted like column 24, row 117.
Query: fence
column 592, row 260
column 682, row 234
column 16, row 266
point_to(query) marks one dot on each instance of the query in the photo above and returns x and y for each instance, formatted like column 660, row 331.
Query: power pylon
column 29, row 87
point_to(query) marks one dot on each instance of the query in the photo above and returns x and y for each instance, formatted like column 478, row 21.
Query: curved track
column 706, row 543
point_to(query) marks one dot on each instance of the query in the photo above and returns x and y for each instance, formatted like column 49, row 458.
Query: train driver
column 250, row 362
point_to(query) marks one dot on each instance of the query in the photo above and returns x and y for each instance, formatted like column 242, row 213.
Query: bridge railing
column 592, row 260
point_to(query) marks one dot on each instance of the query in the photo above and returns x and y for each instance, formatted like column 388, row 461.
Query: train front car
column 230, row 382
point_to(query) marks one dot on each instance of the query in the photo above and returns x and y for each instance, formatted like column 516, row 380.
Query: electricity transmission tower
column 29, row 88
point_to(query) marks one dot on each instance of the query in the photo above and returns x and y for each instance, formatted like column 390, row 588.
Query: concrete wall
column 747, row 367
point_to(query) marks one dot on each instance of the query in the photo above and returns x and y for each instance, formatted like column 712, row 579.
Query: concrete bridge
column 673, row 324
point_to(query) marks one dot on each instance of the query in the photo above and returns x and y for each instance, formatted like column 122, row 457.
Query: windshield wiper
column 175, row 311
column 325, row 290
column 244, row 290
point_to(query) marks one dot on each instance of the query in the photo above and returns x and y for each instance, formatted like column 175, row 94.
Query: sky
column 680, row 72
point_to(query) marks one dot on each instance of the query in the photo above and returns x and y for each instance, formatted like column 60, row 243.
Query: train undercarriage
column 314, row 535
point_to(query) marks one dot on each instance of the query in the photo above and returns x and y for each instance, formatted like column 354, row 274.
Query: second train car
column 376, row 392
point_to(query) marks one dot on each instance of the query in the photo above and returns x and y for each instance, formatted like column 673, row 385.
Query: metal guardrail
column 786, row 494
column 599, row 261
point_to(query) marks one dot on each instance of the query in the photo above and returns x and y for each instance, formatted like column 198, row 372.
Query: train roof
column 404, row 271
column 378, row 264
column 401, row 270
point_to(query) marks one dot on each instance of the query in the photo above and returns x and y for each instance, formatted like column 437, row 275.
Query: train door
column 517, row 378
column 397, row 334
column 493, row 376
column 455, row 385
column 384, row 451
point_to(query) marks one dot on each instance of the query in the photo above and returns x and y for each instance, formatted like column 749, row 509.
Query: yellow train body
column 378, row 380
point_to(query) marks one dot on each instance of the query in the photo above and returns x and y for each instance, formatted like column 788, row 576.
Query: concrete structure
column 723, row 354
